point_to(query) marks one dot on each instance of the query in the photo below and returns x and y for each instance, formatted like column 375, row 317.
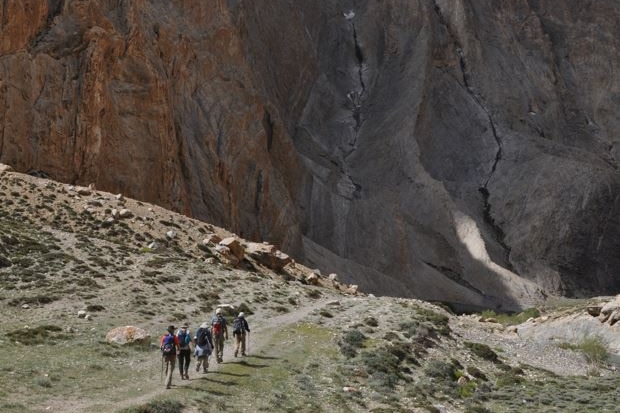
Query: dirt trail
column 261, row 333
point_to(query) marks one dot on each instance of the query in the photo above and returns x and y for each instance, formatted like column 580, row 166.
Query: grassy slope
column 392, row 354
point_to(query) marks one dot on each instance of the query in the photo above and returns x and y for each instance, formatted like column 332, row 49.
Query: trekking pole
column 248, row 343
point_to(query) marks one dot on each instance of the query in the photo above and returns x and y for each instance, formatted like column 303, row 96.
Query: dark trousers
column 184, row 357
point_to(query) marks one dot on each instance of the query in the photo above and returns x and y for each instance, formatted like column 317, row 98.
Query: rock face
column 463, row 151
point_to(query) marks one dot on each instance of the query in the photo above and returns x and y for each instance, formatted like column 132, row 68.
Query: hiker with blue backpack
column 185, row 339
column 203, row 346
column 219, row 331
column 169, row 345
column 240, row 326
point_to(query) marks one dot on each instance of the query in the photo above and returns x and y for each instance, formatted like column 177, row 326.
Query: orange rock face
column 459, row 151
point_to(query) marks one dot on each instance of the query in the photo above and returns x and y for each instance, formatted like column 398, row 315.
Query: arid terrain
column 76, row 262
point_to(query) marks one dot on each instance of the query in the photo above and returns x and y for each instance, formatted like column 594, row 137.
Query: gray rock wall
column 461, row 150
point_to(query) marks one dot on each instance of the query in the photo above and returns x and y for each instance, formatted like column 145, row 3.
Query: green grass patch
column 509, row 319
column 593, row 348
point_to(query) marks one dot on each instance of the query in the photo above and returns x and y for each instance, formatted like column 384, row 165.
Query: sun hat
column 218, row 311
column 241, row 314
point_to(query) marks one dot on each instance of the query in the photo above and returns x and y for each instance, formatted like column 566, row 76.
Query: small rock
column 83, row 191
column 333, row 277
column 25, row 306
column 119, row 197
column 125, row 213
column 88, row 317
column 171, row 234
column 81, row 314
column 594, row 310
column 334, row 303
column 348, row 389
column 153, row 245
column 312, row 279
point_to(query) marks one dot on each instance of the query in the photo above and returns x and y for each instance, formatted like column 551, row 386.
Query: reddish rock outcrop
column 461, row 151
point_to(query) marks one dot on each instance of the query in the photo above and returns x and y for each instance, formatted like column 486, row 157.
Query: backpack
column 184, row 338
column 216, row 327
column 167, row 348
column 238, row 327
column 202, row 337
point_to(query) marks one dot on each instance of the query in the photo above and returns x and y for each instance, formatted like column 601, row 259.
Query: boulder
column 610, row 311
column 268, row 255
column 235, row 247
column 312, row 279
column 128, row 336
column 5, row 168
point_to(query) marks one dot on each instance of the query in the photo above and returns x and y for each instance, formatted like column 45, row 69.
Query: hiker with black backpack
column 203, row 347
column 240, row 326
column 185, row 339
column 169, row 345
column 219, row 331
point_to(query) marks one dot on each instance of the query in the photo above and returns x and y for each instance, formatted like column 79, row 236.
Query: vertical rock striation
column 463, row 151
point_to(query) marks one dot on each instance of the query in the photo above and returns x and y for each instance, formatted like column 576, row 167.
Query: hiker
column 169, row 346
column 203, row 346
column 240, row 326
column 185, row 339
column 219, row 331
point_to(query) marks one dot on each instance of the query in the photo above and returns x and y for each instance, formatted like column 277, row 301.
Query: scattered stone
column 334, row 303
column 348, row 389
column 351, row 289
column 125, row 213
column 5, row 168
column 120, row 197
column 25, row 306
column 512, row 329
column 312, row 279
column 88, row 317
column 332, row 277
column 128, row 335
column 462, row 381
column 235, row 247
column 594, row 310
column 210, row 260
column 81, row 314
column 83, row 191
column 171, row 234
column 211, row 239
column 610, row 311
column 153, row 245
column 267, row 255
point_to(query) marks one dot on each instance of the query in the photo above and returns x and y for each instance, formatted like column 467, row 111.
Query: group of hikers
column 209, row 338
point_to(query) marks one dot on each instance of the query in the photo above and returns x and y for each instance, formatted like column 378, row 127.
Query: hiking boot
column 197, row 368
column 243, row 354
column 204, row 371
column 235, row 354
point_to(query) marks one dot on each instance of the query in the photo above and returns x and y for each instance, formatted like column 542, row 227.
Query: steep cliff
column 463, row 151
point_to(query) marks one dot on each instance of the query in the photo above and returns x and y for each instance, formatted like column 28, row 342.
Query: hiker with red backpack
column 240, row 326
column 219, row 331
column 169, row 345
column 203, row 347
column 184, row 338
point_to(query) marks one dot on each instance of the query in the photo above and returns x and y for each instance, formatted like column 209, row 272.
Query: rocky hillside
column 78, row 262
column 463, row 151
